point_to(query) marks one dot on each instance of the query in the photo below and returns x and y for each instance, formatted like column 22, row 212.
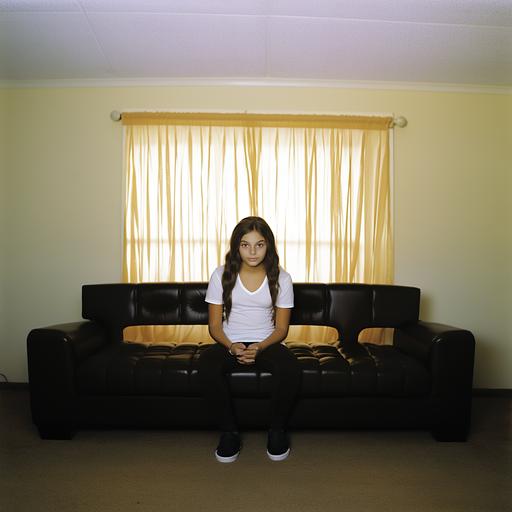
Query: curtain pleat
column 323, row 186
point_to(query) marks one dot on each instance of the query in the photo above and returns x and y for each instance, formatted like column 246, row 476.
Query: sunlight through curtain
column 321, row 182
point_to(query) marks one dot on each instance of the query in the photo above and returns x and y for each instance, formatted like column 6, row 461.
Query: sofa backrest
column 349, row 308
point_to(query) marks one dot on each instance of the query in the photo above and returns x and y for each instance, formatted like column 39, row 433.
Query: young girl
column 249, row 306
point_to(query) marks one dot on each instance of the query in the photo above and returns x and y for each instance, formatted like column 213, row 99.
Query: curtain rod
column 399, row 121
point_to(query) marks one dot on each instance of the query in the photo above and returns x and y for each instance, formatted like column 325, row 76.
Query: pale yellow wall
column 508, row 230
column 65, row 208
column 451, row 182
column 3, row 222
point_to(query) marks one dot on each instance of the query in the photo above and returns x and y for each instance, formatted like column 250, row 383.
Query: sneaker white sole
column 226, row 460
column 279, row 457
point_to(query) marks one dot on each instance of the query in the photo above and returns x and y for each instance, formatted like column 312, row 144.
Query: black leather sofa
column 83, row 375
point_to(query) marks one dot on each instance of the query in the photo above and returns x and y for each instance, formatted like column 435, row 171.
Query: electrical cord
column 4, row 377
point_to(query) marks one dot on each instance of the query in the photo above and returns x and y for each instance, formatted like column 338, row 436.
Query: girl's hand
column 237, row 349
column 249, row 354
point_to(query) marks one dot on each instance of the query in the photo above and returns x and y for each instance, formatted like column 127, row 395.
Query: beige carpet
column 327, row 470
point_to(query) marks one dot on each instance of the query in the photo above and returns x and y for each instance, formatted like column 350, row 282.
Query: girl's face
column 253, row 248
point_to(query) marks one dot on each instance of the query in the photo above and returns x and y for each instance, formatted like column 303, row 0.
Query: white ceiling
column 434, row 41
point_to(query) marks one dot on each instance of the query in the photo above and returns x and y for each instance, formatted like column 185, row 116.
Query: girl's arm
column 281, row 330
column 216, row 330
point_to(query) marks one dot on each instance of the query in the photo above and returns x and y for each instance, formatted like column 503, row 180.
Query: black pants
column 216, row 361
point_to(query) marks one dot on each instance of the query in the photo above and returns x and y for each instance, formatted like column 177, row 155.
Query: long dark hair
column 234, row 261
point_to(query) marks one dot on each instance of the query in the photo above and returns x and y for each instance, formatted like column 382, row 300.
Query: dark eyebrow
column 262, row 240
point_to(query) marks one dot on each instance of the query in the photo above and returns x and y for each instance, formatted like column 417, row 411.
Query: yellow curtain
column 321, row 182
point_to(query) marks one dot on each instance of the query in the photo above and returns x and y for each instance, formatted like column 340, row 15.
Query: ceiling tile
column 362, row 50
column 179, row 6
column 167, row 45
column 463, row 12
column 48, row 46
column 39, row 6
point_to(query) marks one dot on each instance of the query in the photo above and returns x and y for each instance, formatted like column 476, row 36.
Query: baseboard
column 496, row 393
column 14, row 385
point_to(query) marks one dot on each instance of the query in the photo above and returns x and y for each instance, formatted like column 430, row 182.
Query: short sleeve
column 214, row 291
column 285, row 295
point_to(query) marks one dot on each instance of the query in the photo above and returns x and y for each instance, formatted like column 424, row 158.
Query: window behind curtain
column 323, row 187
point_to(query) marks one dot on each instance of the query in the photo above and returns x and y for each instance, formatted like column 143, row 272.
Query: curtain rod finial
column 400, row 121
column 115, row 115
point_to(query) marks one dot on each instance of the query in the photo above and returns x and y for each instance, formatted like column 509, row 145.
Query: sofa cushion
column 171, row 370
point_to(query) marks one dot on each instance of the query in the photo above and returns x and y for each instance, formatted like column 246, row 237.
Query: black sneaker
column 228, row 448
column 278, row 447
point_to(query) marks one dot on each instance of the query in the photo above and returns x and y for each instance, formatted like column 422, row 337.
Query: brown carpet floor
column 122, row 470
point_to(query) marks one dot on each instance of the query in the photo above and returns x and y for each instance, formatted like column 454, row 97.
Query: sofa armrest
column 53, row 353
column 449, row 352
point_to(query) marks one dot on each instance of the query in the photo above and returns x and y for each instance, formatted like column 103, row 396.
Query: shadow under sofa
column 83, row 375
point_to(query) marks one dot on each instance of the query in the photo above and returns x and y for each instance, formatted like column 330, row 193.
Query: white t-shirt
column 250, row 319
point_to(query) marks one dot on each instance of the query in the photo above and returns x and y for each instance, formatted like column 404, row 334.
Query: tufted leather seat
column 366, row 370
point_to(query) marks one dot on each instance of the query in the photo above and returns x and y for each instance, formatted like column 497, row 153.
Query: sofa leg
column 56, row 432
column 452, row 420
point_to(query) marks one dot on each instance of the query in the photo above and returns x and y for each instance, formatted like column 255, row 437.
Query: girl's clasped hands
column 245, row 354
